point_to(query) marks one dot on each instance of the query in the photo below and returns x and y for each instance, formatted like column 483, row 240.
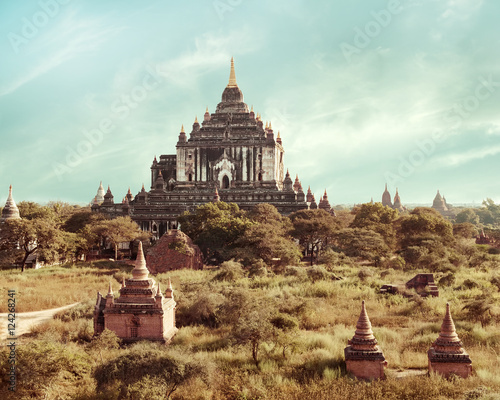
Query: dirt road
column 25, row 321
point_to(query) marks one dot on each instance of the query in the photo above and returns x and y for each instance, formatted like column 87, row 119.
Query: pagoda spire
column 364, row 331
column 140, row 271
column 232, row 76
column 110, row 290
column 446, row 355
column 364, row 359
column 10, row 211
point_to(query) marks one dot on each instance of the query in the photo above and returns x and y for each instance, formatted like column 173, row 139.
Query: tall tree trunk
column 26, row 255
column 116, row 251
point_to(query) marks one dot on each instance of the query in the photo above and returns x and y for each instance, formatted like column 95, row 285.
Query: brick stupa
column 363, row 357
column 141, row 312
column 447, row 356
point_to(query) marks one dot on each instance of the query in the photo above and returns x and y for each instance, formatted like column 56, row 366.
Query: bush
column 447, row 280
column 82, row 310
column 298, row 272
column 229, row 271
column 317, row 273
column 365, row 273
column 257, row 269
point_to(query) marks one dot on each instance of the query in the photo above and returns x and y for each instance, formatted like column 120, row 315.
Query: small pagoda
column 363, row 357
column 447, row 356
column 10, row 211
column 141, row 312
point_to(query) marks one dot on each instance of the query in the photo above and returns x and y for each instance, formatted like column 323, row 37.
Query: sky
column 364, row 93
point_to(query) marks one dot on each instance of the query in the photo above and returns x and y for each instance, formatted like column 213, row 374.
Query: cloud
column 62, row 42
column 457, row 159
column 461, row 9
column 211, row 52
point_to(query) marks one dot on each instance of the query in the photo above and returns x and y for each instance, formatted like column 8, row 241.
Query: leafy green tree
column 377, row 218
column 314, row 229
column 170, row 369
column 425, row 224
column 465, row 230
column 494, row 210
column 268, row 238
column 468, row 215
column 215, row 228
column 363, row 243
column 119, row 230
column 37, row 235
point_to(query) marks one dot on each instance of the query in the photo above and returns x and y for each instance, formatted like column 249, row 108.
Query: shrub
column 82, row 310
column 258, row 268
column 298, row 272
column 316, row 273
column 229, row 271
column 447, row 280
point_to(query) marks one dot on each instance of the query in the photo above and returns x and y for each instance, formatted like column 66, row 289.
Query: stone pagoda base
column 365, row 364
column 450, row 364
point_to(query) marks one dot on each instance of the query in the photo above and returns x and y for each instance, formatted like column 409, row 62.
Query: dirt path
column 25, row 321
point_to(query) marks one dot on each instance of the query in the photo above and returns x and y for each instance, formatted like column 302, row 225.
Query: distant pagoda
column 141, row 312
column 363, row 357
column 447, row 356
column 10, row 211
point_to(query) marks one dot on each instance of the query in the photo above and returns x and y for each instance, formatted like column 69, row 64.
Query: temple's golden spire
column 206, row 111
column 196, row 119
column 232, row 76
column 251, row 109
column 267, row 125
column 182, row 129
column 279, row 137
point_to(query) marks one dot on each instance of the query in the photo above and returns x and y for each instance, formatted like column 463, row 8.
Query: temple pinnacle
column 140, row 270
column 232, row 76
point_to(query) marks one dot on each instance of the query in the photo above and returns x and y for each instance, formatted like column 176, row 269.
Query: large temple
column 231, row 156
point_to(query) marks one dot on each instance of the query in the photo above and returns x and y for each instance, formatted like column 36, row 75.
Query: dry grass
column 327, row 311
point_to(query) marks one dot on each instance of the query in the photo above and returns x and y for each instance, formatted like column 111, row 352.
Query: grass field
column 306, row 362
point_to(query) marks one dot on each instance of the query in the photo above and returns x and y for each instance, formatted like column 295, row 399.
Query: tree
column 268, row 238
column 425, row 224
column 37, row 235
column 215, row 228
column 170, row 369
column 250, row 319
column 364, row 243
column 119, row 230
column 467, row 215
column 313, row 229
column 465, row 230
column 377, row 218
